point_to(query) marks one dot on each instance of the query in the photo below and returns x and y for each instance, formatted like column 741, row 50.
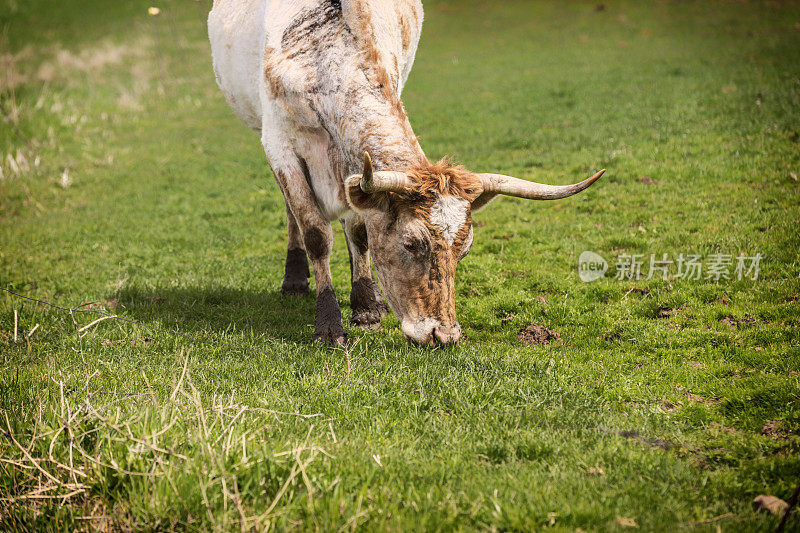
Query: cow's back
column 236, row 32
column 249, row 41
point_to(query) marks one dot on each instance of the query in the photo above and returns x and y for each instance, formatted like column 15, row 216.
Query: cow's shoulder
column 305, row 46
column 387, row 33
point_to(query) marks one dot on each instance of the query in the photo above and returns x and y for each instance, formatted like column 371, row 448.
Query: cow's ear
column 481, row 201
column 361, row 201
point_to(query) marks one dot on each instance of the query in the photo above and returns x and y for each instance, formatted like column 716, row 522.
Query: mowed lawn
column 128, row 187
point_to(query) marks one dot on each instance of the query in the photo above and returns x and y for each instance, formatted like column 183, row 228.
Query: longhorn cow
column 320, row 81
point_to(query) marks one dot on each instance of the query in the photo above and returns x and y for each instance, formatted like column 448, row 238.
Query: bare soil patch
column 534, row 334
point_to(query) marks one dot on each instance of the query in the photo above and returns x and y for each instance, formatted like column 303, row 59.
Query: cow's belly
column 236, row 33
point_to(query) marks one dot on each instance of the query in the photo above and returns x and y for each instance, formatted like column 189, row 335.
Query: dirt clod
column 535, row 334
column 647, row 180
column 735, row 323
column 626, row 522
column 774, row 429
column 770, row 504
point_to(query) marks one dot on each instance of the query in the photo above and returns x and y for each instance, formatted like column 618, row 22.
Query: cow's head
column 419, row 226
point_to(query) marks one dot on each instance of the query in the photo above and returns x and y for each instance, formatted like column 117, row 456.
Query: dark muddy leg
column 366, row 301
column 317, row 239
column 295, row 278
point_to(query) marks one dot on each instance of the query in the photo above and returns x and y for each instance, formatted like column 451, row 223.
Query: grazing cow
column 320, row 81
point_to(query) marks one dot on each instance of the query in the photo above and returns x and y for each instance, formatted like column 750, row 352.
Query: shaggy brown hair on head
column 427, row 181
column 445, row 177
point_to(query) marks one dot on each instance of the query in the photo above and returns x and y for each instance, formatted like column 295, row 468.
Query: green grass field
column 128, row 186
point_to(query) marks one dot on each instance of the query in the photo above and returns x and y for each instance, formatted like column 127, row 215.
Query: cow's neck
column 392, row 144
column 380, row 128
column 371, row 118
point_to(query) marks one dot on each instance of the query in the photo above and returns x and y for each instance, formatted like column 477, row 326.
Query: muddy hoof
column 335, row 337
column 383, row 309
column 369, row 319
column 295, row 287
column 367, row 304
column 328, row 320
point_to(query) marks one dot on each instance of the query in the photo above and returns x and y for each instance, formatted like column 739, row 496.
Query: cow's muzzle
column 430, row 332
column 447, row 335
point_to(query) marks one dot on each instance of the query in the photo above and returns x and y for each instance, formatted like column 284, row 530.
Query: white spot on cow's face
column 449, row 213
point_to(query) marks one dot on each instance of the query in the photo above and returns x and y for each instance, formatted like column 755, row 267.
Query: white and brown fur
column 320, row 80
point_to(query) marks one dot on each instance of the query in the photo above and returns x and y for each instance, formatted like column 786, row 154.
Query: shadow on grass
column 218, row 311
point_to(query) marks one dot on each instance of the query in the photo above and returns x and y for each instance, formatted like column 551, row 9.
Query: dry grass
column 64, row 458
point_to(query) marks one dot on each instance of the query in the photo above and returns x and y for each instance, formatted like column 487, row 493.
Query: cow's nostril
column 447, row 335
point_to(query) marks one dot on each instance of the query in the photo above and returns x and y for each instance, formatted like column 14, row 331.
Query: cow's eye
column 415, row 247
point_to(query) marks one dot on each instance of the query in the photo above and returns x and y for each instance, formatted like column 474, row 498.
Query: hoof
column 369, row 319
column 295, row 287
column 383, row 309
column 331, row 338
column 328, row 321
column 367, row 304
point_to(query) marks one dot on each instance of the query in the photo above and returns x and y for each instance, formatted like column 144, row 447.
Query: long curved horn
column 500, row 184
column 382, row 180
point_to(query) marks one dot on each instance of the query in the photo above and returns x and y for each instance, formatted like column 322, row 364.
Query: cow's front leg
column 327, row 315
column 366, row 301
column 296, row 274
column 318, row 241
